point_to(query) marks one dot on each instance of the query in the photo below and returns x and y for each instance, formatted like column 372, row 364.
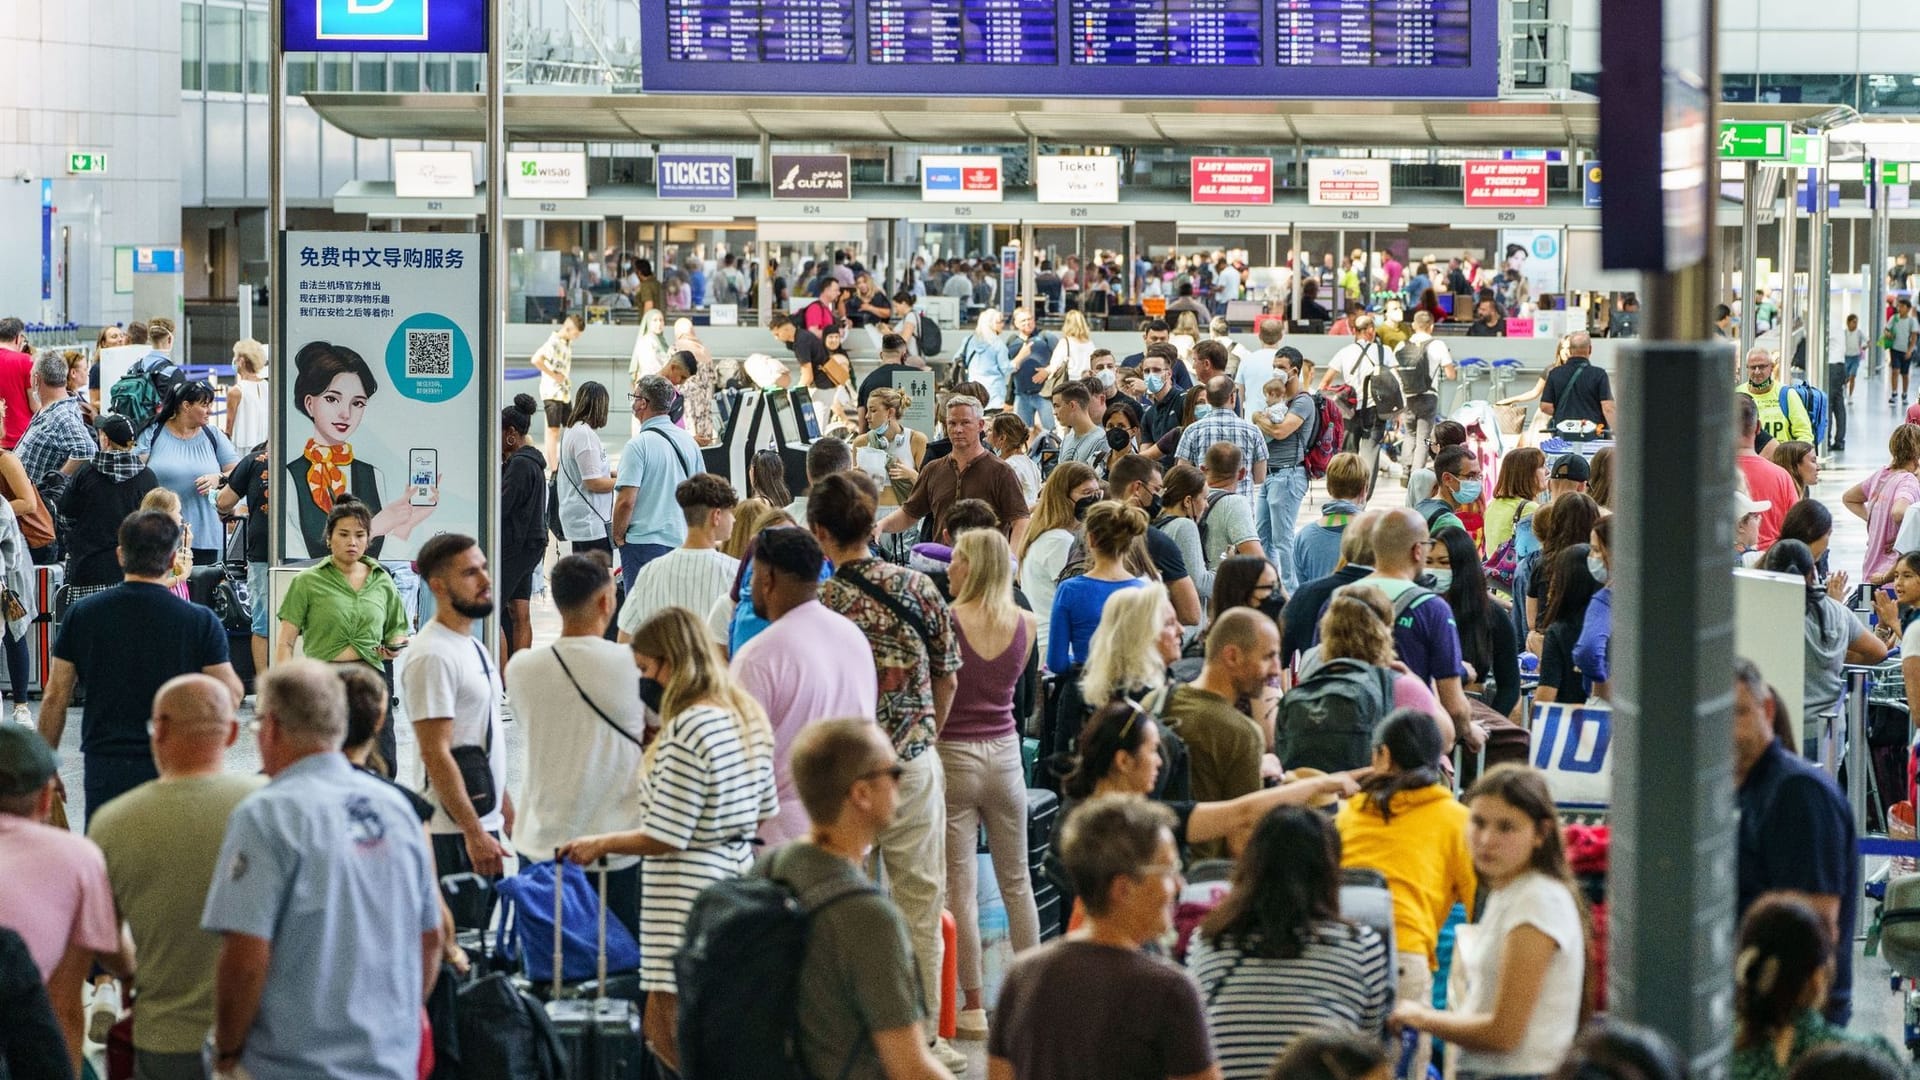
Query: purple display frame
column 859, row 77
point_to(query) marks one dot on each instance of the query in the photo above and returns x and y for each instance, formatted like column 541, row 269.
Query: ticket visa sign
column 456, row 26
column 695, row 176
column 1068, row 178
column 1505, row 183
column 1231, row 180
column 1573, row 746
column 961, row 178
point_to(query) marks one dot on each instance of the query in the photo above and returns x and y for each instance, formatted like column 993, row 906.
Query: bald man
column 162, row 843
column 1225, row 746
column 1425, row 637
column 1576, row 390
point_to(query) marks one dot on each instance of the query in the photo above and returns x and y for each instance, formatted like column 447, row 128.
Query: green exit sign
column 1807, row 151
column 1893, row 172
column 1744, row 140
column 86, row 163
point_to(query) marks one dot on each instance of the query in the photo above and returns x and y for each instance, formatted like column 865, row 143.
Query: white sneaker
column 22, row 714
column 955, row 1061
column 971, row 1025
column 104, row 1012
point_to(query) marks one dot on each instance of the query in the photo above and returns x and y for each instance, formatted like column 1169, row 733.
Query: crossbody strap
column 481, row 651
column 578, row 689
column 688, row 469
column 900, row 610
column 578, row 490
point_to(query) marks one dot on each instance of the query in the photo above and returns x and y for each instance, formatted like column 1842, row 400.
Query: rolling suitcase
column 599, row 1036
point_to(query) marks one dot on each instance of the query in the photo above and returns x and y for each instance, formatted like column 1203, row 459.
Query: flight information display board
column 1074, row 48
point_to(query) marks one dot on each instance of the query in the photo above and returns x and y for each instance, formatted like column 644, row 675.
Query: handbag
column 475, row 763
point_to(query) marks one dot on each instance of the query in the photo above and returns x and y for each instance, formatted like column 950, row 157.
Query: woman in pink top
column 1883, row 498
column 980, row 752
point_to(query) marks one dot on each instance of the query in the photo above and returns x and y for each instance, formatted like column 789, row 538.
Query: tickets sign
column 1505, row 183
column 1232, row 180
column 1349, row 182
column 1075, row 179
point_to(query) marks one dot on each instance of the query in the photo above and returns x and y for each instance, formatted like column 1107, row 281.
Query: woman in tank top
column 247, row 401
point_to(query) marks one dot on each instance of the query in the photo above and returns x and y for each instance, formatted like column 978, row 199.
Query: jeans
column 1837, row 403
column 106, row 778
column 18, row 671
column 1415, row 984
column 912, row 851
column 635, row 556
column 985, row 782
column 1422, row 432
column 1030, row 406
column 1276, row 515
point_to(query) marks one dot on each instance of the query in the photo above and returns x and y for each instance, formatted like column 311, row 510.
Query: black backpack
column 738, row 975
column 505, row 1034
column 1383, row 389
column 1415, row 378
column 927, row 333
column 143, row 390
column 1326, row 722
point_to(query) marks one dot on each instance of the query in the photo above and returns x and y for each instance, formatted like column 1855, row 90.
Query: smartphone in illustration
column 423, row 475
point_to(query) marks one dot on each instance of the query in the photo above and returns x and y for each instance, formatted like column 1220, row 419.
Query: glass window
column 1889, row 93
column 1736, row 87
column 190, row 77
column 223, row 49
column 259, row 52
column 439, row 74
column 336, row 73
column 1809, row 89
column 406, row 74
column 299, row 75
column 373, row 72
column 466, row 76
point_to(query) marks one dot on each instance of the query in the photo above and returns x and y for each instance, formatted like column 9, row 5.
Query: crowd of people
column 1105, row 655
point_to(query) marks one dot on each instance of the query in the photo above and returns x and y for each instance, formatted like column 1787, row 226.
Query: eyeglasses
column 893, row 772
column 1159, row 870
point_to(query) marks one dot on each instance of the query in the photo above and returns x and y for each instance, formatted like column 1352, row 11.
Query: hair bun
column 525, row 403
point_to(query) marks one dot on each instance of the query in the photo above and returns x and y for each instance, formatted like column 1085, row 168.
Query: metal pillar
column 1788, row 221
column 1820, row 287
column 276, row 225
column 1875, row 280
column 1029, row 297
column 493, row 365
column 1749, row 247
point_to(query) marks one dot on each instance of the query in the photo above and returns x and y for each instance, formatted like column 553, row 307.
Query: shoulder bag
column 474, row 763
column 900, row 611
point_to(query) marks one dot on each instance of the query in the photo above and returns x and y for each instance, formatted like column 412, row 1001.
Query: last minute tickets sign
column 1232, row 180
column 1506, row 183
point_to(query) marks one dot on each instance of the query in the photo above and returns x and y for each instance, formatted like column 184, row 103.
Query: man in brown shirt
column 969, row 472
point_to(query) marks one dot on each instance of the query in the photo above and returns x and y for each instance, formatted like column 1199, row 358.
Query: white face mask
column 1442, row 577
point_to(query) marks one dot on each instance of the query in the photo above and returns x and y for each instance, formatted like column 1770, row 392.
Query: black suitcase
column 1051, row 907
column 599, row 1036
column 1043, row 813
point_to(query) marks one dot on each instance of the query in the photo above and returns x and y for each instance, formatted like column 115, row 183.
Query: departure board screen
column 1136, row 49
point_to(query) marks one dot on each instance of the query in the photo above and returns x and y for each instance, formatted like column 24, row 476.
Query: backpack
column 504, row 1033
column 738, row 975
column 1382, row 390
column 525, row 932
column 1326, row 721
column 1329, row 431
column 1815, row 400
column 142, row 391
column 927, row 333
column 1213, row 499
column 1415, row 378
column 1432, row 510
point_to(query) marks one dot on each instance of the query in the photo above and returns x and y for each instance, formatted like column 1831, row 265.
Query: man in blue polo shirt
column 325, row 898
column 1796, row 830
column 647, row 522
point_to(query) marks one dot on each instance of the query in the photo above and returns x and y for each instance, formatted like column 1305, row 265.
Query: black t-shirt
column 248, row 478
column 1575, row 389
column 1026, row 377
column 94, row 506
column 1166, row 557
column 123, row 669
column 809, row 349
column 859, row 316
column 880, row 378
column 1300, row 618
column 1556, row 663
column 1481, row 329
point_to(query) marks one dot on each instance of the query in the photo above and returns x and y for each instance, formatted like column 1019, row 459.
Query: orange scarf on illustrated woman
column 325, row 473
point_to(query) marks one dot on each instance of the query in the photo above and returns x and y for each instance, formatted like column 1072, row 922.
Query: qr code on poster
column 429, row 354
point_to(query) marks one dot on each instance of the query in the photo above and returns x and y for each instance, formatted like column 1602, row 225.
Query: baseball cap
column 1571, row 466
column 1744, row 504
column 26, row 761
column 118, row 429
column 1913, row 414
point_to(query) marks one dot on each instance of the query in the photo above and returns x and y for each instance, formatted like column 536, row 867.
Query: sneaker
column 22, row 714
column 1889, row 398
column 971, row 1025
column 955, row 1061
column 104, row 1012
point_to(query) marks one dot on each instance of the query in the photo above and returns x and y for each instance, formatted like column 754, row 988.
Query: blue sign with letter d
column 385, row 25
column 372, row 20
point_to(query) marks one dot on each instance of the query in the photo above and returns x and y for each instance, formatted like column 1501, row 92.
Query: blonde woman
column 746, row 525
column 168, row 503
column 1077, row 338
column 905, row 448
column 1070, row 489
column 247, row 401
column 986, row 359
column 706, row 784
column 980, row 755
column 1138, row 638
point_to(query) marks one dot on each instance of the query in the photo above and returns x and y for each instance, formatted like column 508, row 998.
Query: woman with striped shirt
column 1275, row 960
column 706, row 784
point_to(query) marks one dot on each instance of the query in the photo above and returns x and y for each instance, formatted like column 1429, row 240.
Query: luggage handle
column 600, row 981
column 559, row 898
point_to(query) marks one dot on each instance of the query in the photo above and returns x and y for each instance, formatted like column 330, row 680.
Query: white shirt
column 558, row 354
column 684, row 577
column 1353, row 365
column 1079, row 357
column 1438, row 358
column 582, row 776
column 1227, row 283
column 443, row 675
column 1856, row 343
column 1046, row 556
column 1539, row 901
column 1252, row 378
column 584, row 514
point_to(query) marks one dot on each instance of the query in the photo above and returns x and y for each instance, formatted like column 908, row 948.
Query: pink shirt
column 811, row 664
column 1410, row 692
column 1768, row 481
column 54, row 892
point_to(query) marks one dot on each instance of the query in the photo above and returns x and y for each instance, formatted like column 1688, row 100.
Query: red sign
column 980, row 179
column 1232, row 180
column 1506, row 183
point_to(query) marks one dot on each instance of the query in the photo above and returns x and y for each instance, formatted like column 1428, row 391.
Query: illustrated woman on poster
column 332, row 386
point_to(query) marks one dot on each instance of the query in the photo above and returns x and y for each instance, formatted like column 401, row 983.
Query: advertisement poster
column 1349, row 182
column 963, row 178
column 1505, row 183
column 1232, row 180
column 379, row 387
column 1537, row 254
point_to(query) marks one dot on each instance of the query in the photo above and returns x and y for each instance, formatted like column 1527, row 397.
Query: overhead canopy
column 549, row 117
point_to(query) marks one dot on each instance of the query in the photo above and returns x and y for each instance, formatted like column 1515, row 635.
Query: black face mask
column 1081, row 506
column 652, row 693
column 1153, row 508
column 1270, row 607
column 1117, row 438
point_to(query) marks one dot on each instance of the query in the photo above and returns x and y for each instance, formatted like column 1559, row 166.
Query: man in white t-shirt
column 1257, row 367
column 1354, row 366
column 694, row 574
column 1434, row 362
column 581, row 704
column 451, row 690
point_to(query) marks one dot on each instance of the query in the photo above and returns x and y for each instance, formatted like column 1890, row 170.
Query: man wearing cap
column 1766, row 482
column 305, row 989
column 98, row 498
column 53, row 884
column 162, row 844
column 125, row 643
column 1569, row 473
column 1576, row 390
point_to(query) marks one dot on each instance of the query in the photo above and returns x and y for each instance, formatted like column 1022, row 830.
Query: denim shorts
column 260, row 594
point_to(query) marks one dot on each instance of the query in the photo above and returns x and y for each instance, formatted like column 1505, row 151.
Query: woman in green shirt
column 345, row 609
column 1781, row 975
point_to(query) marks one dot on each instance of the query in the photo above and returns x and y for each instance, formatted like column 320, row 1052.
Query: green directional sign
column 1753, row 140
column 1807, row 151
column 1894, row 172
column 86, row 163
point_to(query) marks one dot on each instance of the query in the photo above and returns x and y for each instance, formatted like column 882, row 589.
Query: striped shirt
column 705, row 793
column 1257, row 1006
column 691, row 578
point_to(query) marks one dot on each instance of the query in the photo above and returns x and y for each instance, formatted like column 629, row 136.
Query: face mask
column 651, row 693
column 1597, row 567
column 1156, row 383
column 1081, row 506
column 1270, row 607
column 1118, row 439
column 1442, row 577
column 1201, row 410
column 1153, row 508
column 1106, row 378
column 1469, row 491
